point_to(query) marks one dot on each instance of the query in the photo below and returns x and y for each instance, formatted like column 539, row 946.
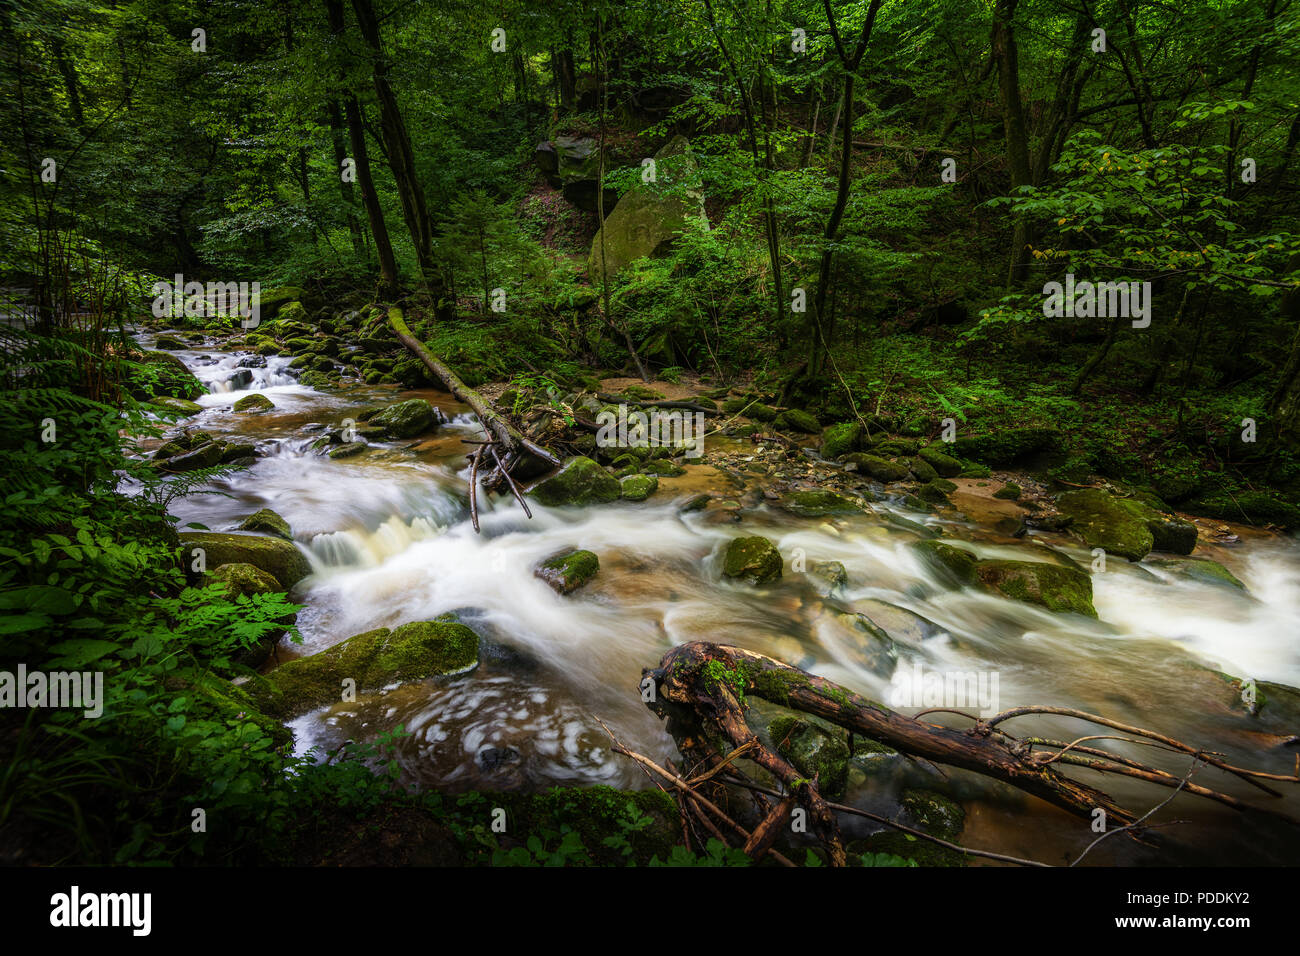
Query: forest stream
column 389, row 539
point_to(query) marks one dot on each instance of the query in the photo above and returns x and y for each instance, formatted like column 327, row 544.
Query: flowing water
column 390, row 541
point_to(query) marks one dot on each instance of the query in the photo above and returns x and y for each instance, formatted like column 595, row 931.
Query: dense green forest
column 932, row 254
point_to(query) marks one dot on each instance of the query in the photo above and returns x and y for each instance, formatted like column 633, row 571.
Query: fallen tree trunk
column 514, row 453
column 700, row 687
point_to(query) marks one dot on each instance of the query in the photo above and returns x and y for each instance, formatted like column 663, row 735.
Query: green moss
column 841, row 439
column 276, row 556
column 1010, row 492
column 1053, row 586
column 580, row 482
column 754, row 559
column 1006, row 446
column 816, row 504
column 256, row 402
column 269, row 522
column 955, row 564
column 638, row 487
column 795, row 420
column 569, row 571
column 946, row 465
column 407, row 419
column 410, row 652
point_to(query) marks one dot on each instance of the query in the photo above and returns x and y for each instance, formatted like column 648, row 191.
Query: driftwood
column 513, row 452
column 700, row 686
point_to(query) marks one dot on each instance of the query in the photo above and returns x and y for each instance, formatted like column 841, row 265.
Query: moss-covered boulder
column 244, row 580
column 755, row 560
column 814, row 749
column 178, row 406
column 580, row 482
column 638, row 487
column 953, row 564
column 348, row 449
column 206, row 455
column 663, row 467
column 1251, row 507
column 277, row 557
column 267, row 522
column 1206, row 570
column 923, row 810
column 817, row 504
column 272, row 303
column 881, row 469
column 833, row 574
column 1124, row 526
column 646, row 218
column 946, row 465
column 257, row 402
column 374, row 659
column 1006, row 446
column 933, row 493
column 921, row 469
column 568, row 571
column 840, row 439
column 797, row 420
column 863, row 641
column 1052, row 586
column 406, row 419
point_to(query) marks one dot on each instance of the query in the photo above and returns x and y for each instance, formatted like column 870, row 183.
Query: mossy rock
column 831, row 573
column 647, row 217
column 761, row 413
column 217, row 699
column 1124, row 526
column 407, row 419
column 755, row 560
column 933, row 493
column 244, row 580
column 1006, row 446
column 814, row 750
column 569, row 571
column 921, row 469
column 170, row 342
column 580, row 482
column 176, row 406
column 1008, row 492
column 256, row 402
column 413, row 651
column 797, row 420
column 867, row 643
column 207, row 455
column 663, row 467
column 1198, row 569
column 347, row 450
column 954, row 564
column 896, row 447
column 274, row 303
column 878, row 468
column 638, row 487
column 696, row 503
column 1053, row 586
column 946, row 465
column 277, row 557
column 317, row 380
column 840, row 439
column 817, row 504
column 934, row 813
column 269, row 522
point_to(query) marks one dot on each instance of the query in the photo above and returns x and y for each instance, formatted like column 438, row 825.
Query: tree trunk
column 1015, row 130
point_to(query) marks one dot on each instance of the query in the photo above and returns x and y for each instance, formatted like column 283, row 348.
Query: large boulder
column 374, row 659
column 1124, row 526
column 406, row 419
column 1007, row 445
column 277, row 557
column 580, row 482
column 1052, row 586
column 648, row 217
column 1055, row 586
column 817, row 504
column 840, row 439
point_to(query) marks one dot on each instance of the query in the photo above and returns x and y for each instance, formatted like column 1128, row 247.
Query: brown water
column 390, row 541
